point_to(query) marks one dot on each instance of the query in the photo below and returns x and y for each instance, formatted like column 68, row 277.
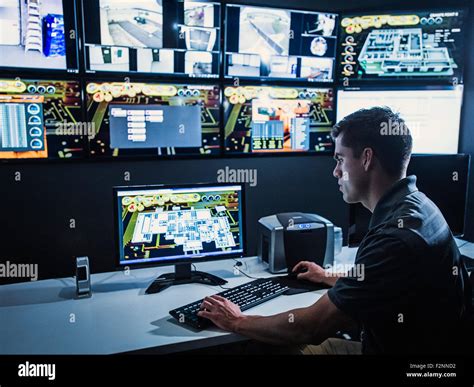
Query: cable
column 245, row 274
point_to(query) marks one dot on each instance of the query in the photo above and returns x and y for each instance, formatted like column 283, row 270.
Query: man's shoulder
column 392, row 240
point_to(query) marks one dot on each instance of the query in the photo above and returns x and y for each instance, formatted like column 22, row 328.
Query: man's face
column 349, row 172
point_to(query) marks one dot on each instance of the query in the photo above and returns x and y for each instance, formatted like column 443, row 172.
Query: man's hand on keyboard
column 221, row 312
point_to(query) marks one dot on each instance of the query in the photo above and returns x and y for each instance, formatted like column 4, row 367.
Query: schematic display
column 174, row 224
column 145, row 119
column 59, row 131
column 408, row 45
column 262, row 119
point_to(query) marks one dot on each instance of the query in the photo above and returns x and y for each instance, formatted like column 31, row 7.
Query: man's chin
column 348, row 199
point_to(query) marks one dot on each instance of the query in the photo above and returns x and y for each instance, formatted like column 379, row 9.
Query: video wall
column 172, row 78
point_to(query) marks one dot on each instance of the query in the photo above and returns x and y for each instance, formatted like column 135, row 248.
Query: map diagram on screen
column 179, row 223
column 402, row 46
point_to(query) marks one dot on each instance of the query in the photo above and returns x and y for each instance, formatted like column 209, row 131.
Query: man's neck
column 377, row 188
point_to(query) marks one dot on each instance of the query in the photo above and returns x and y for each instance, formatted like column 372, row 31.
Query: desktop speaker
column 83, row 278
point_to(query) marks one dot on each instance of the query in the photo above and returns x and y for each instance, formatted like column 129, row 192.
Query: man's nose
column 336, row 172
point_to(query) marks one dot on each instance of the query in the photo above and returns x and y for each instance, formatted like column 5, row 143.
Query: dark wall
column 38, row 210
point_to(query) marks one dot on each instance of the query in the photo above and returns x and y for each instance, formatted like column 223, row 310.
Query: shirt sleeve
column 385, row 272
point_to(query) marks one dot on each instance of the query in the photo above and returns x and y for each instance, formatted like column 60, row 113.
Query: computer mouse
column 294, row 274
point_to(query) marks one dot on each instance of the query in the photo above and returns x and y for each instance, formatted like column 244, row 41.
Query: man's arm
column 311, row 325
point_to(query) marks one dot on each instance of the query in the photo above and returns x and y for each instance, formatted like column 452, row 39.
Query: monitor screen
column 447, row 188
column 153, row 36
column 38, row 34
column 432, row 114
column 402, row 45
column 263, row 119
column 42, row 119
column 279, row 43
column 147, row 119
column 166, row 225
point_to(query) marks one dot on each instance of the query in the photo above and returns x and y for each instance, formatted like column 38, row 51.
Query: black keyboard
column 246, row 296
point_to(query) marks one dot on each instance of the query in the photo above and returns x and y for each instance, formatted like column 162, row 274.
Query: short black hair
column 382, row 130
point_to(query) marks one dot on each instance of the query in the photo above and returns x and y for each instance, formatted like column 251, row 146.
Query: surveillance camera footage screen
column 408, row 45
column 38, row 34
column 42, row 119
column 153, row 36
column 159, row 224
column 148, row 119
column 264, row 119
column 279, row 43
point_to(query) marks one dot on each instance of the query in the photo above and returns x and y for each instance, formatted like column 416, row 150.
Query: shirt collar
column 389, row 199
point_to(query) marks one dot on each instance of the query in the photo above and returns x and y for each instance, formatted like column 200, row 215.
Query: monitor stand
column 183, row 275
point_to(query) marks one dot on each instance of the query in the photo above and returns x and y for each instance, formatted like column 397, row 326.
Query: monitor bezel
column 170, row 262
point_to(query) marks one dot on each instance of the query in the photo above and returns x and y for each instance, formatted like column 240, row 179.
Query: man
column 415, row 293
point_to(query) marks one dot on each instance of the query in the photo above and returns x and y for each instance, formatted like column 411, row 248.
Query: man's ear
column 367, row 158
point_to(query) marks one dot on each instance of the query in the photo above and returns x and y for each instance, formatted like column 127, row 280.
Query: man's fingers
column 205, row 314
column 206, row 305
column 299, row 266
column 302, row 276
column 219, row 298
column 210, row 300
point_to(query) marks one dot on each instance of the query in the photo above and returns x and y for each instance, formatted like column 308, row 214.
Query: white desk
column 44, row 318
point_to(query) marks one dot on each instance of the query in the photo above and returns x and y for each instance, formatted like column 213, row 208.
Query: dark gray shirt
column 415, row 291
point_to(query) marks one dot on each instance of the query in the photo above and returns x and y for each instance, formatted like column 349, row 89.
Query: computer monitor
column 443, row 178
column 272, row 119
column 432, row 113
column 39, row 35
column 149, row 119
column 402, row 45
column 283, row 44
column 179, row 225
column 42, row 118
column 179, row 38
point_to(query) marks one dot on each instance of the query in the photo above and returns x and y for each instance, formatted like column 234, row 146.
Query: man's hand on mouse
column 222, row 312
column 310, row 271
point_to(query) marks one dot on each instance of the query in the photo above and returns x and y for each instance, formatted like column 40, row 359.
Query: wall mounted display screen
column 432, row 114
column 41, row 119
column 38, row 34
column 263, row 119
column 408, row 45
column 139, row 119
column 153, row 36
column 279, row 43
